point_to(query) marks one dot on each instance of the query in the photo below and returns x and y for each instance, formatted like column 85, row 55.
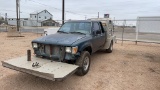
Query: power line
column 4, row 14
column 45, row 5
column 13, row 11
column 60, row 9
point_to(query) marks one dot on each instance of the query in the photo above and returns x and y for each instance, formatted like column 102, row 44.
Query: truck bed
column 54, row 71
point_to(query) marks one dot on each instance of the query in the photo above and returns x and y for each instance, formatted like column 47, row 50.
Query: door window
column 96, row 28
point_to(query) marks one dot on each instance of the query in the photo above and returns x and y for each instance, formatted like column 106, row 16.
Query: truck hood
column 59, row 39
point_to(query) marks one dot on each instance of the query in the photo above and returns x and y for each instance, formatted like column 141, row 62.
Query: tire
column 84, row 63
column 110, row 49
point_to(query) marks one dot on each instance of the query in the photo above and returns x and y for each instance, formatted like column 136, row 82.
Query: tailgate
column 46, row 69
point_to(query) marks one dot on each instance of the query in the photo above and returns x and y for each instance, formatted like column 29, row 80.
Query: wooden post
column 28, row 55
column 124, row 23
column 63, row 10
column 17, row 10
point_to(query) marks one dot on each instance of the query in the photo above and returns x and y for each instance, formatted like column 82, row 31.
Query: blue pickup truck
column 74, row 42
column 70, row 49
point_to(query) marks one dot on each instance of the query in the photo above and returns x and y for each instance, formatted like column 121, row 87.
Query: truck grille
column 47, row 50
column 51, row 50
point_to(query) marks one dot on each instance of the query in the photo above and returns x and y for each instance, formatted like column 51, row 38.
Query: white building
column 36, row 19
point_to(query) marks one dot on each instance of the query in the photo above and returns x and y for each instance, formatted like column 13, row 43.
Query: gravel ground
column 129, row 67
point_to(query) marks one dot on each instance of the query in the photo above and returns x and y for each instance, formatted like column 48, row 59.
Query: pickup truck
column 73, row 44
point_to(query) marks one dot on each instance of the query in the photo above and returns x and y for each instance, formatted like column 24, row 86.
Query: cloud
column 77, row 9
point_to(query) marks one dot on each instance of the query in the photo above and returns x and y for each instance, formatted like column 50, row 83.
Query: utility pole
column 19, row 14
column 63, row 10
column 98, row 14
column 6, row 17
column 17, row 11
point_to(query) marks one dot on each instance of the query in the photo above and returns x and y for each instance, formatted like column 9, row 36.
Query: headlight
column 35, row 45
column 68, row 49
column 72, row 50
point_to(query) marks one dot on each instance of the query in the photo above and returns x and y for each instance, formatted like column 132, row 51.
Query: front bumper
column 54, row 52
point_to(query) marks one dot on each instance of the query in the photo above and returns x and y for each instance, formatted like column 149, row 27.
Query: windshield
column 76, row 27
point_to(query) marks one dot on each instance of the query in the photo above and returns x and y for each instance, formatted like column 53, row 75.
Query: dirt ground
column 129, row 67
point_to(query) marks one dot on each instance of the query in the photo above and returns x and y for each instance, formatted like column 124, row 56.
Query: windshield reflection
column 76, row 27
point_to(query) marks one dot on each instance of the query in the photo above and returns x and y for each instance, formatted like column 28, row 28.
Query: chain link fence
column 3, row 28
column 32, row 26
column 137, row 30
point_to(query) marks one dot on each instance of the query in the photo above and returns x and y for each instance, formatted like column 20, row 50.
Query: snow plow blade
column 44, row 68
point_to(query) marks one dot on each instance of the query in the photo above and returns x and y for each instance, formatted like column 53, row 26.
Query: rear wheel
column 84, row 63
column 110, row 49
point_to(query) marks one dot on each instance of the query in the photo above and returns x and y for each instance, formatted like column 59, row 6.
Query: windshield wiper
column 62, row 31
column 78, row 33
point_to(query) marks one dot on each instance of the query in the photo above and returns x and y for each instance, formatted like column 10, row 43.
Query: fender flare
column 85, row 45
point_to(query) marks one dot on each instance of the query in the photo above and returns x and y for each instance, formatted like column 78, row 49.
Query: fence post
column 6, row 28
column 124, row 23
column 137, row 31
column 0, row 28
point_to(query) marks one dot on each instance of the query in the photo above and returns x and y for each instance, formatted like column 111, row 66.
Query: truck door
column 98, row 36
column 103, row 36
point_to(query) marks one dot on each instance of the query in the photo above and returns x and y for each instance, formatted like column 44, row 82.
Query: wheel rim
column 86, row 63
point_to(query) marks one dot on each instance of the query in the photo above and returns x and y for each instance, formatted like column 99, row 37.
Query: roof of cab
column 91, row 20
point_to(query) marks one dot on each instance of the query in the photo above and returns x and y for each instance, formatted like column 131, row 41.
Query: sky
column 79, row 9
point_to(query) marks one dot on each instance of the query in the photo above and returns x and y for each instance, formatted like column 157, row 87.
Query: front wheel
column 84, row 63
